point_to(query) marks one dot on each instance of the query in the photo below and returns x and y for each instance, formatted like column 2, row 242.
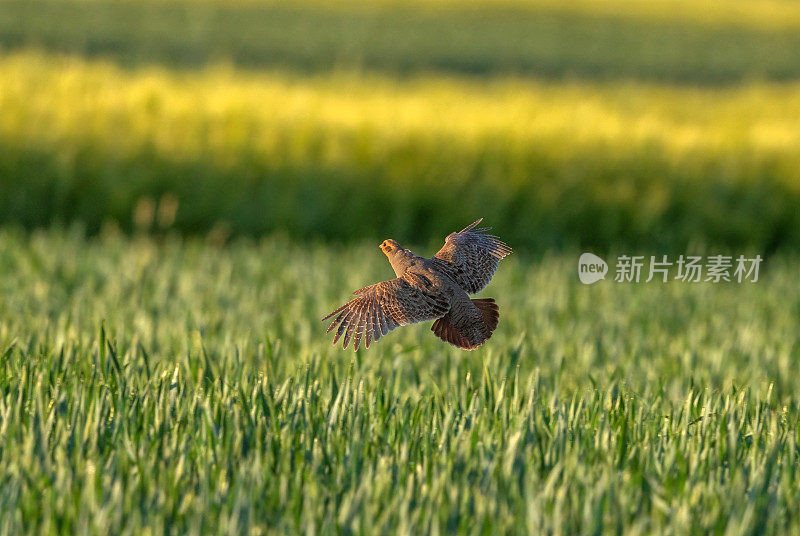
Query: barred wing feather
column 379, row 308
column 470, row 257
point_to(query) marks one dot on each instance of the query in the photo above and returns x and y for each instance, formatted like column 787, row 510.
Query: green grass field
column 176, row 388
column 591, row 164
column 188, row 187
column 595, row 124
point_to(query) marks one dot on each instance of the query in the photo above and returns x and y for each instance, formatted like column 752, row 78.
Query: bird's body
column 429, row 289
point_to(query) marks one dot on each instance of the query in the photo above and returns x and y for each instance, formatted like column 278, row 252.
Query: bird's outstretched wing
column 379, row 308
column 470, row 257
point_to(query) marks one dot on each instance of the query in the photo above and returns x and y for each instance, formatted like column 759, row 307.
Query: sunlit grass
column 575, row 163
column 170, row 386
column 222, row 112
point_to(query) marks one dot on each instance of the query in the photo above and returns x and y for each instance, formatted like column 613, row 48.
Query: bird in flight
column 429, row 289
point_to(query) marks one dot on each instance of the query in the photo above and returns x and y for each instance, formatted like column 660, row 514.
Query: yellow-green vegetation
column 657, row 125
column 592, row 163
column 175, row 388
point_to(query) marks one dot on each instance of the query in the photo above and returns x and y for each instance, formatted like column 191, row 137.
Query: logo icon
column 591, row 268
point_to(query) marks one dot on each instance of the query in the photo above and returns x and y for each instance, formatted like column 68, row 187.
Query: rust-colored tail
column 490, row 312
column 471, row 336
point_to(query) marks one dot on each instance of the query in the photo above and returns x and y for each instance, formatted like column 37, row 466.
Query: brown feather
column 377, row 309
column 470, row 257
column 490, row 315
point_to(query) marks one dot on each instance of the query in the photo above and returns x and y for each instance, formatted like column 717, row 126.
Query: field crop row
column 601, row 165
column 173, row 387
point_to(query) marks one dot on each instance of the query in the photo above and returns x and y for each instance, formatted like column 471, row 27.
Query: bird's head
column 391, row 248
column 399, row 258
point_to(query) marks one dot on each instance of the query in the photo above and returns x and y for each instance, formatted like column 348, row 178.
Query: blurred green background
column 661, row 125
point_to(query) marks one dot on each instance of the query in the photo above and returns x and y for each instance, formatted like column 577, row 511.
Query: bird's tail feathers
column 472, row 336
